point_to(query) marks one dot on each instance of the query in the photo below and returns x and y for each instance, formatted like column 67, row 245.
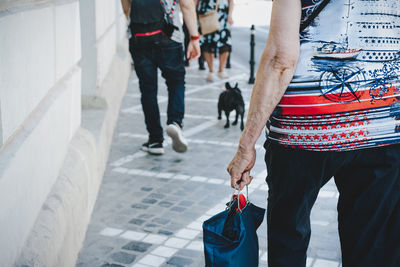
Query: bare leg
column 223, row 58
column 209, row 57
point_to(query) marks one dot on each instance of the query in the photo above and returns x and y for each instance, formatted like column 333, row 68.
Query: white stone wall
column 38, row 48
column 121, row 22
column 106, row 36
column 41, row 79
column 31, row 164
column 40, row 107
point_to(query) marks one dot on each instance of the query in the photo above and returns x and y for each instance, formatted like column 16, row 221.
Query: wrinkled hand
column 240, row 166
column 193, row 50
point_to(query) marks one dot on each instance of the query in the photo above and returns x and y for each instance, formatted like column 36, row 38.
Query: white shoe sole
column 153, row 151
column 179, row 143
column 156, row 151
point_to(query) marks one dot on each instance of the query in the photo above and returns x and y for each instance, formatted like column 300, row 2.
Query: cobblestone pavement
column 150, row 209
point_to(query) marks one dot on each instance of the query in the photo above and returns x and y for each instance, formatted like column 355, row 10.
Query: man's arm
column 190, row 18
column 230, row 12
column 189, row 15
column 126, row 5
column 276, row 69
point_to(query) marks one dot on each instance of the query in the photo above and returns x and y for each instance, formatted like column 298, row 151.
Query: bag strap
column 316, row 12
column 172, row 10
column 216, row 5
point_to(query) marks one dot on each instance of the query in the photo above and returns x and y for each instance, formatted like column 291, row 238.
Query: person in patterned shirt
column 328, row 95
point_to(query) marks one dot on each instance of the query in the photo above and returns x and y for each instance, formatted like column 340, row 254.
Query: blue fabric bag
column 230, row 237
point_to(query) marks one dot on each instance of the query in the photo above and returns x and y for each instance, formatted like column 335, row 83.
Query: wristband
column 195, row 37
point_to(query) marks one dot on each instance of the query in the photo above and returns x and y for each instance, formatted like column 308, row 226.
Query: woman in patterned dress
column 220, row 40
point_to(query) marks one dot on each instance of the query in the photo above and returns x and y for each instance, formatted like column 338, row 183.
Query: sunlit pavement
column 150, row 209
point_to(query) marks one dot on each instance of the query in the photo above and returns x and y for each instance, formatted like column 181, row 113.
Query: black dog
column 231, row 99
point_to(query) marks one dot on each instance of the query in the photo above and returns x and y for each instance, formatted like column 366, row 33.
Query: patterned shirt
column 345, row 91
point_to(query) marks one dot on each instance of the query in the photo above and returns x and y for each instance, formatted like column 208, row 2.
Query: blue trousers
column 168, row 57
column 368, row 207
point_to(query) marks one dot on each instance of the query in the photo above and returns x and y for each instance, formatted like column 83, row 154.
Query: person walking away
column 156, row 43
column 331, row 99
column 219, row 41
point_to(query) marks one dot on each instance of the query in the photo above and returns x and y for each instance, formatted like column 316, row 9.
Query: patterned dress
column 345, row 93
column 220, row 40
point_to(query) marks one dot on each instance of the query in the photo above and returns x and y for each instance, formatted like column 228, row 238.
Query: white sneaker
column 179, row 143
column 210, row 77
column 223, row 75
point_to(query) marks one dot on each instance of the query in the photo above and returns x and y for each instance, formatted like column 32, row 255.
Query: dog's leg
column 236, row 118
column 227, row 119
column 241, row 121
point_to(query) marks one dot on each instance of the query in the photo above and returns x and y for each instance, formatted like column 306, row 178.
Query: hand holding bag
column 230, row 237
column 209, row 22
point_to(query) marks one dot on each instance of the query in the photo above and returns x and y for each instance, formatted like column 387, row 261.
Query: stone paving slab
column 150, row 209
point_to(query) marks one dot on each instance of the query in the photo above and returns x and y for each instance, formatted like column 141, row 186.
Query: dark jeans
column 368, row 208
column 168, row 56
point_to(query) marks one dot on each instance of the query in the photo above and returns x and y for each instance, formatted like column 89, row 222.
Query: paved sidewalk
column 150, row 209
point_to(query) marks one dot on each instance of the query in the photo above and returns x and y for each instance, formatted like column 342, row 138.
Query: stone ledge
column 56, row 235
column 60, row 228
